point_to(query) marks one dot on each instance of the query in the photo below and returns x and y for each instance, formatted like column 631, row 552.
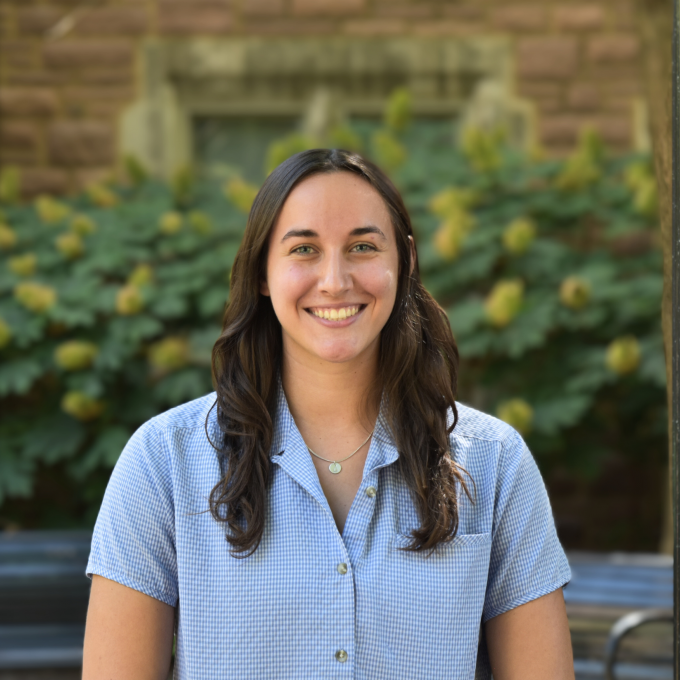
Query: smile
column 333, row 314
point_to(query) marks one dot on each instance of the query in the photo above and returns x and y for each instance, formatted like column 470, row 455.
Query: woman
column 351, row 520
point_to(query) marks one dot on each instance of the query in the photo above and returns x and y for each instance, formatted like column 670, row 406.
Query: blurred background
column 134, row 135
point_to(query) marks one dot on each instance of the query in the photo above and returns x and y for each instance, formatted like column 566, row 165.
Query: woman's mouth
column 336, row 313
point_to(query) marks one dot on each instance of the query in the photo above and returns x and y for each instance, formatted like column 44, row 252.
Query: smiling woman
column 332, row 508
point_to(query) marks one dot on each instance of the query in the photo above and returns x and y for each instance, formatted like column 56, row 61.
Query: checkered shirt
column 288, row 611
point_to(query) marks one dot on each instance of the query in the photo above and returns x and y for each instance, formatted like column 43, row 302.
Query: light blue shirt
column 289, row 611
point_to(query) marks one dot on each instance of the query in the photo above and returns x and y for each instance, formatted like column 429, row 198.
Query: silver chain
column 342, row 459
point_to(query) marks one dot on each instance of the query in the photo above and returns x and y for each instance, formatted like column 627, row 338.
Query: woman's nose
column 334, row 275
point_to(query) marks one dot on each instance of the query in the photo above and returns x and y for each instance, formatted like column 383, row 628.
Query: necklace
column 335, row 466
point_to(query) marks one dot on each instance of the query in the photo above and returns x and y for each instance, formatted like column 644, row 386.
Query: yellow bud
column 141, row 275
column 50, row 210
column 636, row 174
column 452, row 200
column 519, row 235
column 23, row 265
column 169, row 354
column 574, row 292
column 623, row 355
column 102, row 196
column 81, row 406
column 8, row 238
column 448, row 243
column 5, row 333
column 70, row 245
column 504, row 302
column 240, row 193
column 389, row 152
column 516, row 413
column 129, row 301
column 398, row 110
column 75, row 355
column 283, row 149
column 646, row 199
column 343, row 137
column 35, row 297
column 83, row 225
column 200, row 222
column 170, row 222
column 481, row 148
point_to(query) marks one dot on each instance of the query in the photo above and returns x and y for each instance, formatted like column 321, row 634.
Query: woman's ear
column 412, row 248
column 264, row 288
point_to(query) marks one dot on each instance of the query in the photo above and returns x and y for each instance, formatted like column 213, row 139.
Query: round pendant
column 335, row 468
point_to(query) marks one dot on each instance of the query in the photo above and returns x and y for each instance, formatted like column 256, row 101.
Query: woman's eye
column 303, row 250
column 363, row 248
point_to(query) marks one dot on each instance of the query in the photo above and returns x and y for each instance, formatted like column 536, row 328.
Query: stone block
column 77, row 54
column 328, row 7
column 18, row 135
column 18, row 54
column 107, row 76
column 613, row 49
column 398, row 11
column 262, row 7
column 584, row 97
column 549, row 58
column 564, row 130
column 189, row 18
column 445, row 27
column 311, row 27
column 35, row 181
column 113, row 21
column 463, row 12
column 369, row 27
column 28, row 101
column 579, row 17
column 38, row 20
column 81, row 143
column 520, row 18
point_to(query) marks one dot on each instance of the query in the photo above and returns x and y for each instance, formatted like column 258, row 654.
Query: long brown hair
column 417, row 372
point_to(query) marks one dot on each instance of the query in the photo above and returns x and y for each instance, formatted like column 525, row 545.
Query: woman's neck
column 344, row 394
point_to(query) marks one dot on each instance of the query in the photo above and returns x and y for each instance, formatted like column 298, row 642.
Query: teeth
column 335, row 314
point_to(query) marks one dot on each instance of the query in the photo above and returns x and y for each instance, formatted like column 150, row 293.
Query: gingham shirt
column 289, row 611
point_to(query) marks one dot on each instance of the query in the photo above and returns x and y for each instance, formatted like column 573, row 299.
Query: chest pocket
column 432, row 604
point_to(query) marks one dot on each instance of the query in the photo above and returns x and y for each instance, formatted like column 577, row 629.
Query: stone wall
column 68, row 69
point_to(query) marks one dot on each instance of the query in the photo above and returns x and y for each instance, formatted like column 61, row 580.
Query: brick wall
column 61, row 96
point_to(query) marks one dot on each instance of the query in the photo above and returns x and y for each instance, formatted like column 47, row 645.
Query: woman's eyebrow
column 360, row 231
column 299, row 233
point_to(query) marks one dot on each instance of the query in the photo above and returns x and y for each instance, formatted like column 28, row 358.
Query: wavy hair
column 417, row 373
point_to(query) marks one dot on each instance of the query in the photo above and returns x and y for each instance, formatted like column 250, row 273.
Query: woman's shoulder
column 474, row 424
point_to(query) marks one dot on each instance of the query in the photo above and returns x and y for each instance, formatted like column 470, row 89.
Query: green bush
column 549, row 270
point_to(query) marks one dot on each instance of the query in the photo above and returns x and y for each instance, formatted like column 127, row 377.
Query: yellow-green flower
column 169, row 354
column 343, row 137
column 504, row 302
column 451, row 235
column 452, row 200
column 141, row 275
column 200, row 222
column 517, row 413
column 482, row 148
column 70, row 245
column 583, row 167
column 8, row 238
column 574, row 292
column 283, row 149
column 23, row 265
column 170, row 222
column 240, row 193
column 623, row 355
column 389, row 152
column 81, row 406
column 398, row 110
column 5, row 333
column 102, row 196
column 50, row 210
column 129, row 300
column 35, row 297
column 83, row 225
column 75, row 355
column 519, row 235
column 646, row 200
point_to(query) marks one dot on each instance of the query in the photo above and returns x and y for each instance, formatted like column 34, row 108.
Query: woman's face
column 332, row 269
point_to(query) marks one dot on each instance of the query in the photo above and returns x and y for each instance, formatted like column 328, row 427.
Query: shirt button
column 342, row 568
column 370, row 492
column 341, row 655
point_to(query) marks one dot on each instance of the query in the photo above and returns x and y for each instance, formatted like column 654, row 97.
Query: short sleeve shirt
column 311, row 602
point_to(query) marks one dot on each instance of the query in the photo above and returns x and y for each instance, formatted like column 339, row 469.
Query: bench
column 44, row 595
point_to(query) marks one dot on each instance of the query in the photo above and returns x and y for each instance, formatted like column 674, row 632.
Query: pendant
column 335, row 468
